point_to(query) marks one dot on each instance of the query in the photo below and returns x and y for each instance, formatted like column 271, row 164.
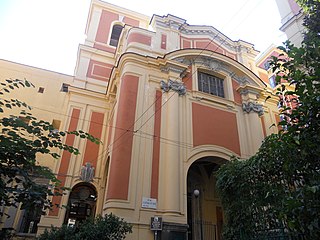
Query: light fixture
column 196, row 193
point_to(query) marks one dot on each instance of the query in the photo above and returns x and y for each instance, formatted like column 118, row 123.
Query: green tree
column 278, row 189
column 109, row 227
column 23, row 139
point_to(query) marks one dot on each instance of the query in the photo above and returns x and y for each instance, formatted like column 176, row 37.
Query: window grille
column 210, row 84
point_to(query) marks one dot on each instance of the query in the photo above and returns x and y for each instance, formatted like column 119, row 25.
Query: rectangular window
column 272, row 81
column 115, row 35
column 210, row 84
column 64, row 87
column 41, row 90
column 56, row 124
column 30, row 218
column 24, row 119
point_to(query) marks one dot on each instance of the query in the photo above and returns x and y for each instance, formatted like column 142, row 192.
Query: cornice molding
column 216, row 65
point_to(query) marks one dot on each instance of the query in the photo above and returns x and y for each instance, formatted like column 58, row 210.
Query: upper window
column 115, row 34
column 210, row 84
column 64, row 87
column 267, row 65
column 272, row 81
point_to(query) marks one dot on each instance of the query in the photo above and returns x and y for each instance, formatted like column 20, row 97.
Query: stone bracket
column 253, row 107
column 174, row 85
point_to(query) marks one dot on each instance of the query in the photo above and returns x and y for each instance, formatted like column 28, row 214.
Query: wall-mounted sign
column 156, row 224
column 149, row 203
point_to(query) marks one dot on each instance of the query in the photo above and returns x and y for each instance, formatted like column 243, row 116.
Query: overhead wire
column 164, row 140
column 157, row 99
column 188, row 79
column 141, row 133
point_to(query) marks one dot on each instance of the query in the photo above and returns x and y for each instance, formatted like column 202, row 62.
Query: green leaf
column 267, row 98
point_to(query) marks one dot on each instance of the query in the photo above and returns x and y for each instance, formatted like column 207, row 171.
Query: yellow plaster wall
column 50, row 105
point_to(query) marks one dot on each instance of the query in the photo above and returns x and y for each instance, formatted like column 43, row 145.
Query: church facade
column 170, row 102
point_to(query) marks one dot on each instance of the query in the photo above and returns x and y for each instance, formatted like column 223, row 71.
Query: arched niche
column 81, row 204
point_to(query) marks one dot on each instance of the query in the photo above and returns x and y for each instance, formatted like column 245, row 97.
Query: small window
column 272, row 81
column 41, row 90
column 267, row 65
column 56, row 126
column 25, row 119
column 115, row 35
column 210, row 84
column 64, row 87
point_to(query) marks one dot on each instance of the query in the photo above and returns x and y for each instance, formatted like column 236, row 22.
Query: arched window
column 115, row 34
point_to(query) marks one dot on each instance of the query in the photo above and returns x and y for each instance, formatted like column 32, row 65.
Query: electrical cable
column 189, row 78
column 135, row 132
column 157, row 99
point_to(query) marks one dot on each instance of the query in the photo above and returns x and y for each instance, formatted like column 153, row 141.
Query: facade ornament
column 210, row 32
column 184, row 60
column 216, row 66
column 169, row 21
column 244, row 91
column 243, row 80
column 251, row 106
column 87, row 173
column 174, row 85
column 170, row 68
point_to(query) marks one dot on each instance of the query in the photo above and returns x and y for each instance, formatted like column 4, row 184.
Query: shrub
column 109, row 227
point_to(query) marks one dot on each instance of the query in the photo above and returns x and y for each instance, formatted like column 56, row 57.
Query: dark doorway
column 81, row 204
column 205, row 216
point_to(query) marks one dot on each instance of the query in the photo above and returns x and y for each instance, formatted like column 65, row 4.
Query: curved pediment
column 216, row 62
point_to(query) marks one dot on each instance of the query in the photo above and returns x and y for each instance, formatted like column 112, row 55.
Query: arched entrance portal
column 81, row 204
column 205, row 217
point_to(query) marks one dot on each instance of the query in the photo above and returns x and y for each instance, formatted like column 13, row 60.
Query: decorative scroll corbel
column 174, row 85
column 252, row 106
column 87, row 173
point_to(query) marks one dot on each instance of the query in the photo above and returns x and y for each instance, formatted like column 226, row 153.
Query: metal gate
column 205, row 230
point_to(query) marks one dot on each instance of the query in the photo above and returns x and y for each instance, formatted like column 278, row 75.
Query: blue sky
column 46, row 33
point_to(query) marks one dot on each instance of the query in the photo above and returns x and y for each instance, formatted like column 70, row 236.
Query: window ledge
column 206, row 97
column 26, row 234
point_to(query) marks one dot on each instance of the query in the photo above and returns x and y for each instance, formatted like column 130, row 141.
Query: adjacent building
column 170, row 101
column 291, row 20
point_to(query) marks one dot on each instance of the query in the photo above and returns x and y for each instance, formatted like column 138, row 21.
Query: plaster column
column 255, row 131
column 252, row 111
column 171, row 153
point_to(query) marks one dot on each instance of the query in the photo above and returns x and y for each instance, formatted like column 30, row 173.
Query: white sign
column 149, row 203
